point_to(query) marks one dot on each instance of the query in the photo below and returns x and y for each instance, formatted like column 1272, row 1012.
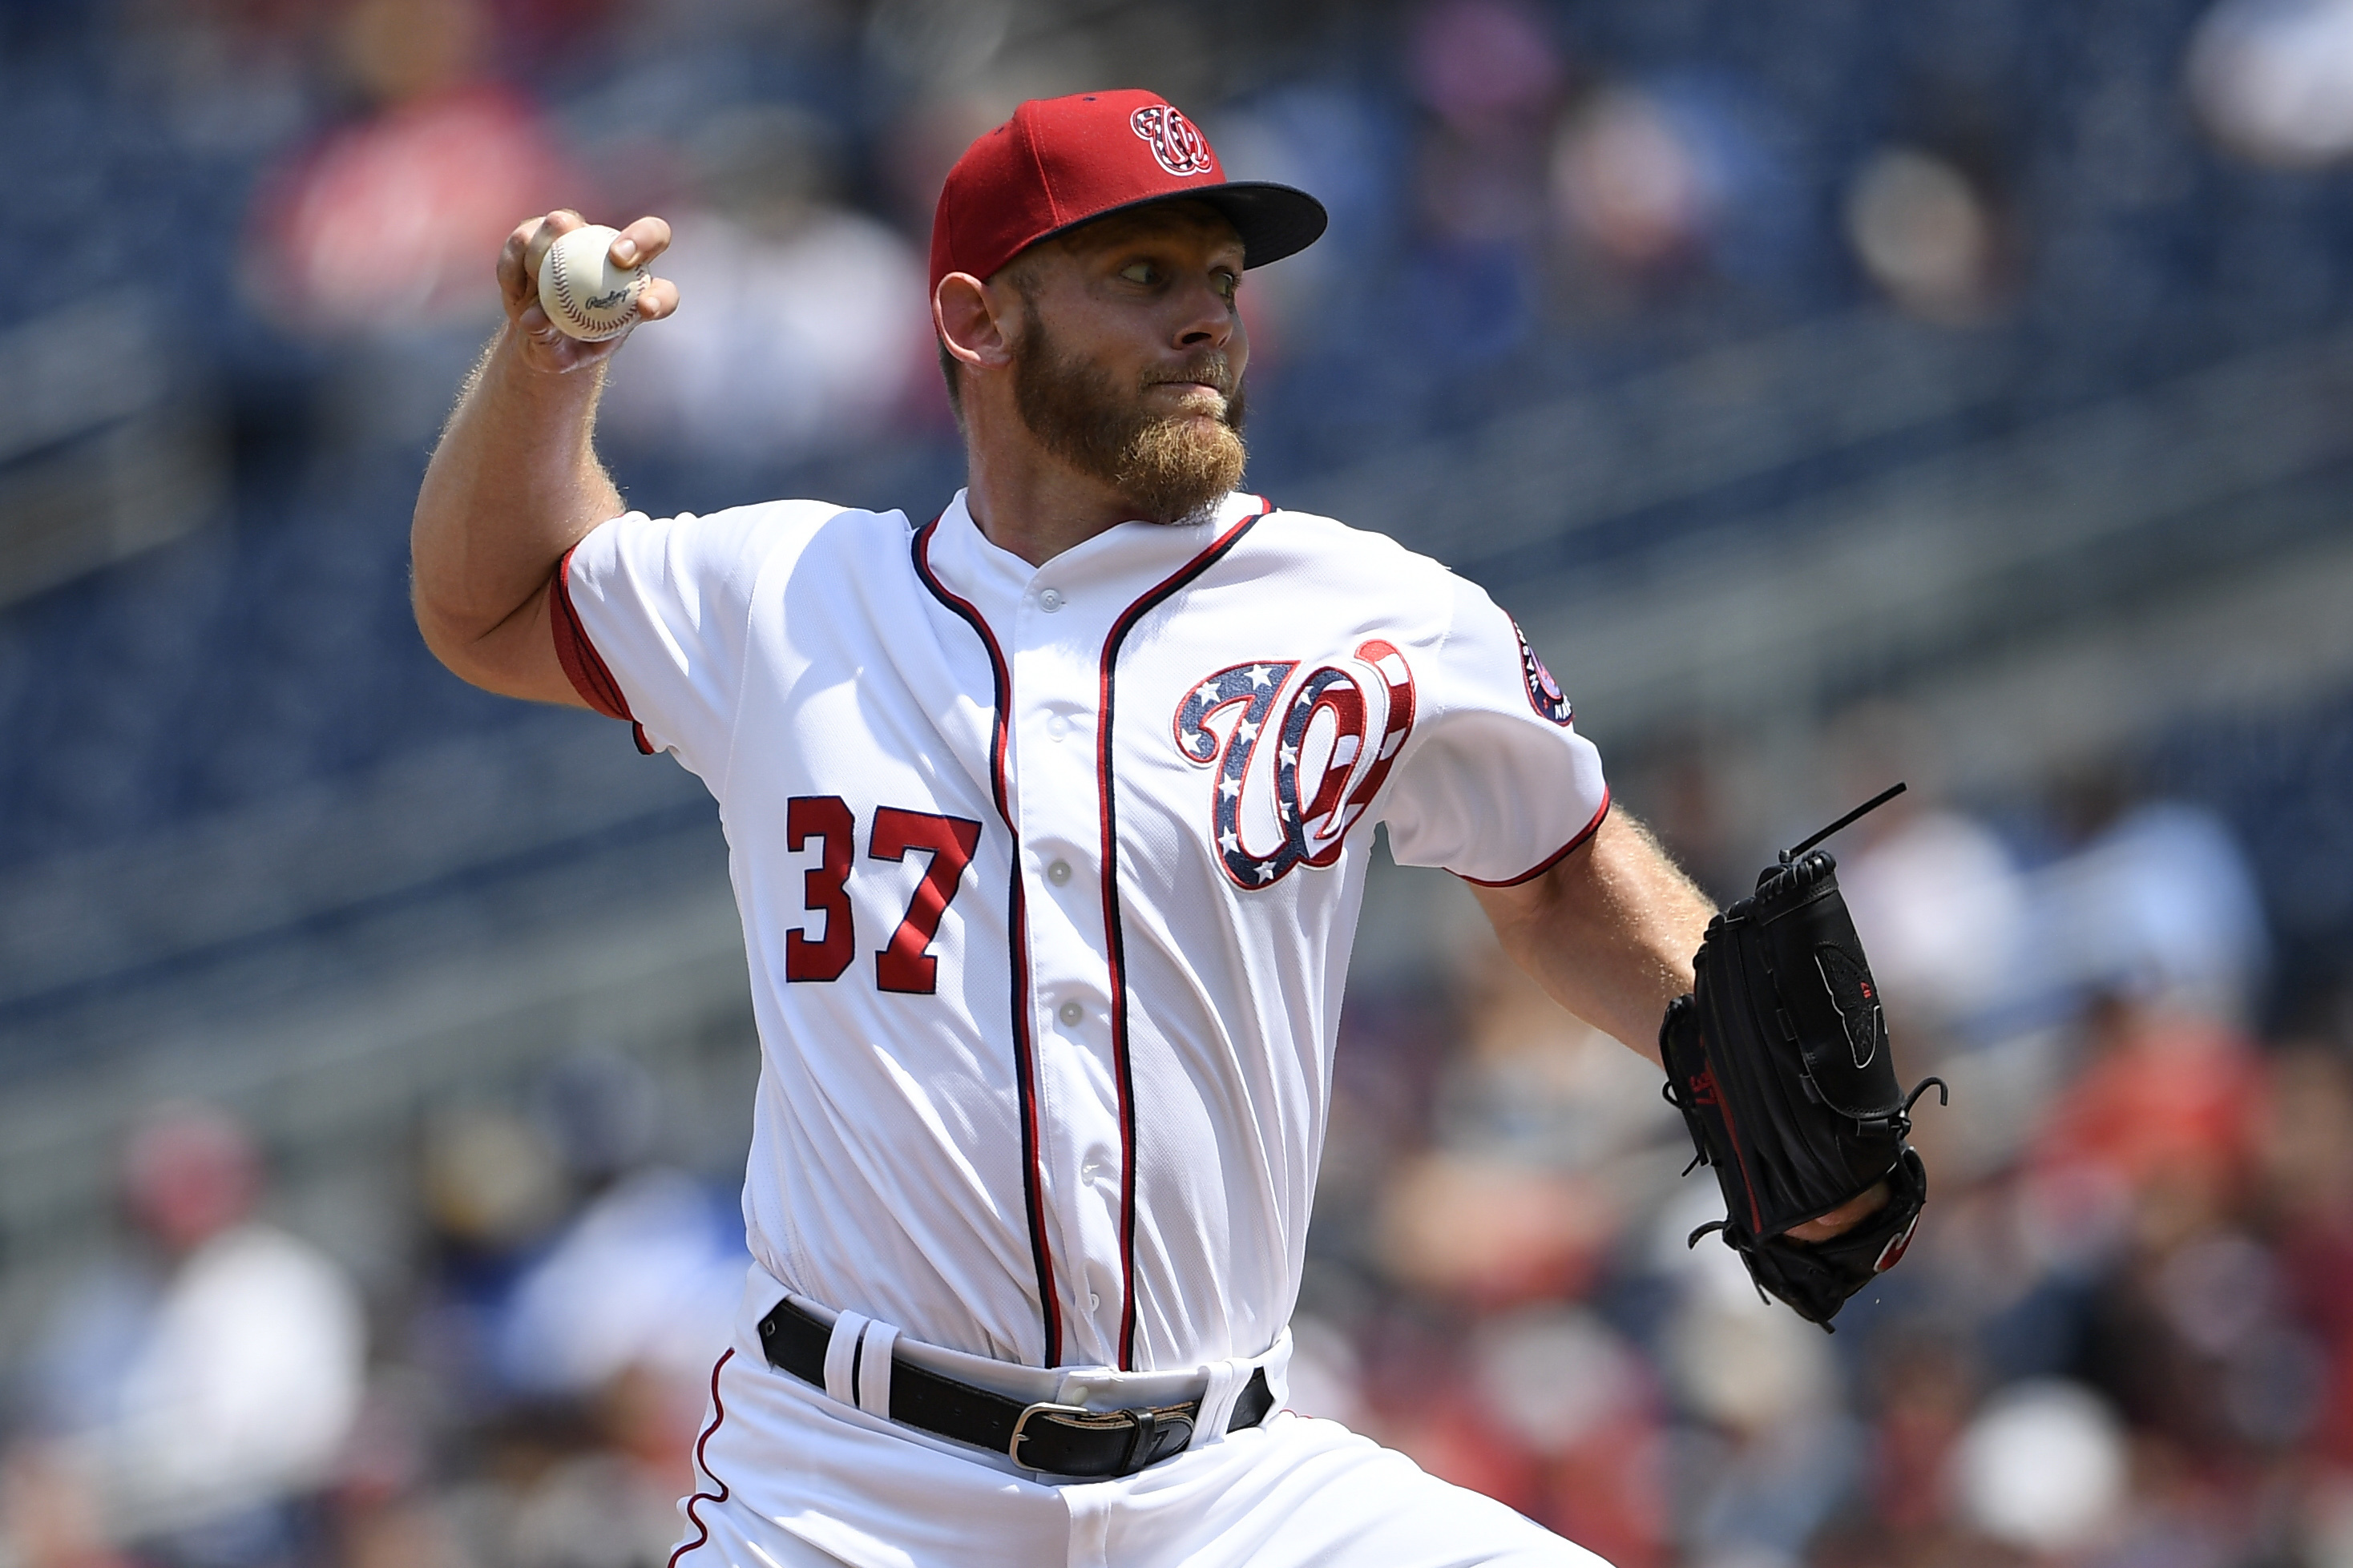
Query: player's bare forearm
column 1608, row 932
column 515, row 481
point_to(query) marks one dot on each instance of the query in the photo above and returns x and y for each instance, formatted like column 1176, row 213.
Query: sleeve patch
column 1544, row 694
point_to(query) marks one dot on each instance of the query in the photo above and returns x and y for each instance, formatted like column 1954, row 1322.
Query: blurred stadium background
column 1957, row 390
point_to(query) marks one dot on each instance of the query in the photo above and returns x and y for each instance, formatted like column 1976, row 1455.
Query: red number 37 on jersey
column 1336, row 732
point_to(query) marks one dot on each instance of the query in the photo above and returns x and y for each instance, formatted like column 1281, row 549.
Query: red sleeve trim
column 582, row 665
column 1555, row 858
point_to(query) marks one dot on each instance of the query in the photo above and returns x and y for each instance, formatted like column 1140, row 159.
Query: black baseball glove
column 1778, row 1061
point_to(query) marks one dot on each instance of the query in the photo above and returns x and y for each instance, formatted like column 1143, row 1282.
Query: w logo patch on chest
column 1176, row 142
column 1337, row 732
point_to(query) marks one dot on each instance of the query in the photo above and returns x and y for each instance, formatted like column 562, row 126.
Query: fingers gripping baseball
column 544, row 344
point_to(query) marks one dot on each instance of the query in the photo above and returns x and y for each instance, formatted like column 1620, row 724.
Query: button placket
column 1055, row 686
column 1062, row 625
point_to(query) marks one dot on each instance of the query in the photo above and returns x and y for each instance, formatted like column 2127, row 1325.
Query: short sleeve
column 1495, row 783
column 651, row 619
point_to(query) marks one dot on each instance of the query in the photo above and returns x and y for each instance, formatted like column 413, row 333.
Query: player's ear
column 967, row 314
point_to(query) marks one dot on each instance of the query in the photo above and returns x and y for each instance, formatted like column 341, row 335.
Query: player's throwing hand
column 541, row 345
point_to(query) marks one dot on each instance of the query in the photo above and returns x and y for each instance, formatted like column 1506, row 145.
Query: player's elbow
column 487, row 651
column 451, row 640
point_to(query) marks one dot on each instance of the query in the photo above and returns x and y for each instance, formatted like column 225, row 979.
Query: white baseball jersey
column 1048, row 877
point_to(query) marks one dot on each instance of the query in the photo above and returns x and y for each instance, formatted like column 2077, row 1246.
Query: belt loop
column 1276, row 1364
column 1225, row 1385
column 873, row 1379
column 841, row 1357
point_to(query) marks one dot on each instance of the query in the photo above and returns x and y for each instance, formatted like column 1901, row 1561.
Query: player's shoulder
column 1332, row 539
column 763, row 533
column 789, row 518
column 1355, row 559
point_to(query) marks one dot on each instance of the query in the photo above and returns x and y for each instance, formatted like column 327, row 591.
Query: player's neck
column 1028, row 502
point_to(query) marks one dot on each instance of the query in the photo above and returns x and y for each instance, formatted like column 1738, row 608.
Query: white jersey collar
column 993, row 578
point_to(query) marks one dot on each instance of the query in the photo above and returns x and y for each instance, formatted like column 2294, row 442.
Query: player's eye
column 1140, row 272
column 1229, row 285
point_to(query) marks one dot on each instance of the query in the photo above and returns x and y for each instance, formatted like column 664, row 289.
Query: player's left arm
column 1610, row 932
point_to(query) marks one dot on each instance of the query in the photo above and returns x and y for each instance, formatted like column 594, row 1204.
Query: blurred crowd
column 521, row 1385
column 2125, row 1338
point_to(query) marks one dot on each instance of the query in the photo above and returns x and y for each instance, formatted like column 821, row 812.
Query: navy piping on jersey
column 1555, row 858
column 1113, row 946
column 1024, row 1072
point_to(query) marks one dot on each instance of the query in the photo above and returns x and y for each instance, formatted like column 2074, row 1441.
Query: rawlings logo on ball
column 1174, row 141
column 583, row 292
column 1325, row 733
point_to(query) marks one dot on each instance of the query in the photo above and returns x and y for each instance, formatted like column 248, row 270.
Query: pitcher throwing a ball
column 1048, row 820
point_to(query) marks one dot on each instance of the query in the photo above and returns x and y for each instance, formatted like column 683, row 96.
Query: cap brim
column 1275, row 221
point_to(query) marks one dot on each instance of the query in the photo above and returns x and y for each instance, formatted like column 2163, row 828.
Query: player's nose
column 1209, row 320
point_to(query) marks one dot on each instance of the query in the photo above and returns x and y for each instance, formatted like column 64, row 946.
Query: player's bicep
column 1496, row 800
column 650, row 619
column 1495, row 784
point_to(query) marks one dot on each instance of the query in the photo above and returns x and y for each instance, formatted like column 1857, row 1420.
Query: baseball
column 583, row 292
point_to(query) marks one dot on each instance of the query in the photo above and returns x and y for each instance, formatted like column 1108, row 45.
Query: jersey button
column 1059, row 873
column 1050, row 599
column 1056, row 727
column 1070, row 1012
column 1093, row 1301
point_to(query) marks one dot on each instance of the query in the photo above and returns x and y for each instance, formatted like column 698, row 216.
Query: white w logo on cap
column 1174, row 141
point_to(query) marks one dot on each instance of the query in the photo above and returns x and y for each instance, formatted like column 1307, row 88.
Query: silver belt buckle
column 1021, row 1424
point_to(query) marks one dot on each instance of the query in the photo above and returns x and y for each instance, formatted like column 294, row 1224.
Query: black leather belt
column 1057, row 1439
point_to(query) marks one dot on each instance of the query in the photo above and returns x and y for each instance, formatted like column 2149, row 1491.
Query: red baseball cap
column 1060, row 161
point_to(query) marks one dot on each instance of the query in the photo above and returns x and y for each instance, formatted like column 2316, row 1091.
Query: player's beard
column 1167, row 467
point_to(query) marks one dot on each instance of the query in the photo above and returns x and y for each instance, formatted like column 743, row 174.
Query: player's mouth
column 1212, row 371
column 1195, row 395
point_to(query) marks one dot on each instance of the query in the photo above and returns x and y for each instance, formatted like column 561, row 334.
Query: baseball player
column 1047, row 819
